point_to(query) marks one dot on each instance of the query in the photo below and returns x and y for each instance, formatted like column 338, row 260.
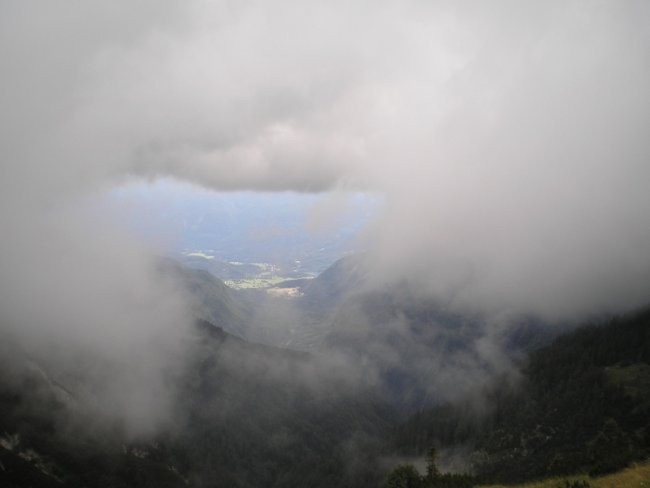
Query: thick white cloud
column 509, row 138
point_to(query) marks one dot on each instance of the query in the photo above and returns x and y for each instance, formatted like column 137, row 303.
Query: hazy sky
column 509, row 140
column 249, row 226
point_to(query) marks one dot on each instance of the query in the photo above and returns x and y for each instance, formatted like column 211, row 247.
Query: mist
column 508, row 143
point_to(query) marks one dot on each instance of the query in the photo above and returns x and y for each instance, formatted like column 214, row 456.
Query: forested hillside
column 582, row 405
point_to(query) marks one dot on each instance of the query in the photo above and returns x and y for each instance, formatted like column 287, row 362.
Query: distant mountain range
column 279, row 229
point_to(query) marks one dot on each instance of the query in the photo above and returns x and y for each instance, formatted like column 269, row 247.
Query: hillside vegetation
column 636, row 476
column 583, row 405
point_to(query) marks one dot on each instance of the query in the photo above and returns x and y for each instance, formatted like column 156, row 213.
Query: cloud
column 509, row 142
column 78, row 293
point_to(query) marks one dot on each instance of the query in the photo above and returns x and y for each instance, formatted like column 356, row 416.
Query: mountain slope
column 583, row 405
column 209, row 297
column 423, row 350
column 245, row 415
column 419, row 350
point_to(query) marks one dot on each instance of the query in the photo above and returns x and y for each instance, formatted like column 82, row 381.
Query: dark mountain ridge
column 244, row 415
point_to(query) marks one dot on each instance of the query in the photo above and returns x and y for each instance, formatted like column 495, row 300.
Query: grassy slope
column 636, row 476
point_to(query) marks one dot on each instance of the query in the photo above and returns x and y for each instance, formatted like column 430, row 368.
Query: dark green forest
column 582, row 404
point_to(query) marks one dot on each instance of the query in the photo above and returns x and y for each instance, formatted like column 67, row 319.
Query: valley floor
column 636, row 476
